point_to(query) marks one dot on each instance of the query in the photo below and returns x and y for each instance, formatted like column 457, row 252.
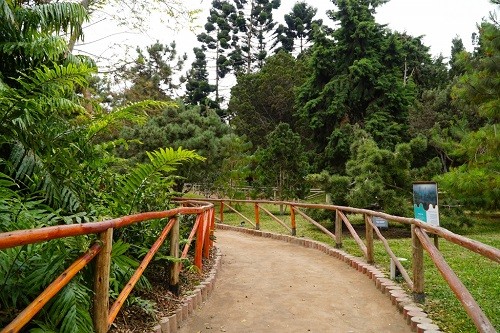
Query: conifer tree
column 252, row 29
column 361, row 86
column 198, row 88
column 299, row 26
column 218, row 38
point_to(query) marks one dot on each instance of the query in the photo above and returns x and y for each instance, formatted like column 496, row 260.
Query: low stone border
column 191, row 302
column 412, row 313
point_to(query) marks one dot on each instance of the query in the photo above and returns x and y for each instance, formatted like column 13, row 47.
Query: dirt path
column 267, row 285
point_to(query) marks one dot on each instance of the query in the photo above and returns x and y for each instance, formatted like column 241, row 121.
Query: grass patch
column 479, row 275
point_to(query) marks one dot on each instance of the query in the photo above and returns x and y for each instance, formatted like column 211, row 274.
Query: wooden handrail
column 487, row 251
column 30, row 236
column 22, row 237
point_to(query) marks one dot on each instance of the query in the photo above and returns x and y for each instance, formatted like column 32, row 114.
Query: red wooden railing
column 101, row 250
column 420, row 242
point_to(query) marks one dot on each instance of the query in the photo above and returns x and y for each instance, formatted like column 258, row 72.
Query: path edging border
column 191, row 302
column 414, row 315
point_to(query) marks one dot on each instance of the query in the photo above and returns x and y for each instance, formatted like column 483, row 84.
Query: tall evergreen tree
column 151, row 75
column 260, row 101
column 218, row 38
column 361, row 86
column 198, row 88
column 456, row 68
column 476, row 182
column 252, row 29
column 283, row 163
column 299, row 26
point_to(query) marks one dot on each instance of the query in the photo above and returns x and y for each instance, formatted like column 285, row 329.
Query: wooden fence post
column 257, row 217
column 175, row 266
column 101, row 282
column 292, row 219
column 369, row 240
column 338, row 230
column 198, row 249
column 212, row 226
column 222, row 212
column 206, row 234
column 418, row 267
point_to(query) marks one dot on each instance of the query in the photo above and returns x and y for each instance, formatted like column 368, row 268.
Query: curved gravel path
column 266, row 285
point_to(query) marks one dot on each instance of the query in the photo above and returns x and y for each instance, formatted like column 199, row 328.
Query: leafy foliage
column 186, row 127
column 162, row 162
column 299, row 25
column 475, row 183
column 260, row 101
column 282, row 163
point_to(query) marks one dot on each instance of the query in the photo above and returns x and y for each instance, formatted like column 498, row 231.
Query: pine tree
column 299, row 25
column 152, row 72
column 197, row 87
column 218, row 38
column 363, row 86
column 252, row 28
column 457, row 48
column 476, row 182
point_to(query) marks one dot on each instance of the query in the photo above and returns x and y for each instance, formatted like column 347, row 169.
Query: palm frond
column 79, row 59
column 57, row 79
column 6, row 14
column 162, row 161
column 66, row 17
column 30, row 169
column 42, row 47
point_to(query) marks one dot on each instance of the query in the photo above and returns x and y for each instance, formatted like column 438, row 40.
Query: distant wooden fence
column 104, row 316
column 420, row 241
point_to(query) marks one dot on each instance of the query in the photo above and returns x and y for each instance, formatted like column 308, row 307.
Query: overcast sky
column 437, row 20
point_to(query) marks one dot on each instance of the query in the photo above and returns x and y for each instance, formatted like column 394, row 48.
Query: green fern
column 162, row 162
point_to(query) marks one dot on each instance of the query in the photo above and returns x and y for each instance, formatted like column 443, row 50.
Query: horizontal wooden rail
column 487, row 251
column 309, row 219
column 469, row 303
column 30, row 236
column 60, row 282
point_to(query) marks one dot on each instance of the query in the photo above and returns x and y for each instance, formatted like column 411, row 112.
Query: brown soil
column 137, row 319
column 261, row 290
column 267, row 285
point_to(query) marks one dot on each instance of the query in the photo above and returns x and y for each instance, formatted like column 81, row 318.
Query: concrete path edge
column 414, row 315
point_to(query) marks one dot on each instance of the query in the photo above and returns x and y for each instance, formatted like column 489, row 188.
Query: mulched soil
column 136, row 319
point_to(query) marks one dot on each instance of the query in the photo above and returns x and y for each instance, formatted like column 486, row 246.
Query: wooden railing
column 101, row 250
column 420, row 241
